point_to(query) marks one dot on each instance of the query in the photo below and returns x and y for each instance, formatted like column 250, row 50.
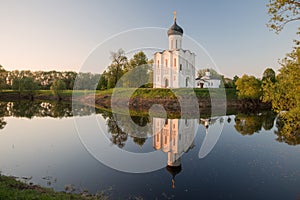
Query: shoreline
column 141, row 102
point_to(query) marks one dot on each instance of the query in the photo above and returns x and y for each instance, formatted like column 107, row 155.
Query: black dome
column 175, row 29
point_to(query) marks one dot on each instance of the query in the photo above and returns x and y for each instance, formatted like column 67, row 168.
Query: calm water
column 39, row 143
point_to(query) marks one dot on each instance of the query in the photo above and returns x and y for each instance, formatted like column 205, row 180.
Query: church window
column 186, row 122
column 180, row 67
column 176, row 44
column 166, row 61
column 166, row 139
column 158, row 64
column 171, row 44
column 174, row 78
column 175, row 62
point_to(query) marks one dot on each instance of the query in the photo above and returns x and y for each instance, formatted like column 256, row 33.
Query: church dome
column 175, row 29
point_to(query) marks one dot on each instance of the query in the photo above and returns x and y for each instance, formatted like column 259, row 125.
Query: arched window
column 175, row 62
column 166, row 83
column 171, row 44
column 176, row 44
column 166, row 62
column 187, row 82
column 180, row 67
column 158, row 64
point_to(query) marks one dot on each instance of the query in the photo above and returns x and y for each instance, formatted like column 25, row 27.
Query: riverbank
column 141, row 100
column 11, row 189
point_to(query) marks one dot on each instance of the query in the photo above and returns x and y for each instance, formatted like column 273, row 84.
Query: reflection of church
column 174, row 137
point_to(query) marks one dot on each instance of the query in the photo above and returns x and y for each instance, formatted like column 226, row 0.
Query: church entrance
column 166, row 83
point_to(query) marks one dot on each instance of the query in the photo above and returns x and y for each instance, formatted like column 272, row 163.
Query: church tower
column 175, row 67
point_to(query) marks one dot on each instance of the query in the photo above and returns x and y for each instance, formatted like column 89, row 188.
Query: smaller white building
column 208, row 81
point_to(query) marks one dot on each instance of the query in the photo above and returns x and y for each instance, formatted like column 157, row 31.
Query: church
column 174, row 67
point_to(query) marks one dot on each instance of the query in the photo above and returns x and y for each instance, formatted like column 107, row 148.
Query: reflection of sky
column 241, row 167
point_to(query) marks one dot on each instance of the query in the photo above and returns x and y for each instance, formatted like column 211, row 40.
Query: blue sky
column 60, row 35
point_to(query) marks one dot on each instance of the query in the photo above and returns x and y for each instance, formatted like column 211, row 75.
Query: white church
column 175, row 67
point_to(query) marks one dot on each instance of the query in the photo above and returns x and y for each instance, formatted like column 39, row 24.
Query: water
column 40, row 143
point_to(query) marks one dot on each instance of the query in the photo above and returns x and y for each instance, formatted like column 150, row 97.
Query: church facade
column 174, row 67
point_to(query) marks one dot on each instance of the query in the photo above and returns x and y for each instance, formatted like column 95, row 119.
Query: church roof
column 206, row 78
column 175, row 29
column 184, row 51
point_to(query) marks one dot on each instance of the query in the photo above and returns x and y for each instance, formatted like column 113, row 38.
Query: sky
column 62, row 35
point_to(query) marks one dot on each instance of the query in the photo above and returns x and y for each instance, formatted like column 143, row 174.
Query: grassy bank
column 11, row 189
column 147, row 93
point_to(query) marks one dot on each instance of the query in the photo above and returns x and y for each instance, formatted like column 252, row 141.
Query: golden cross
column 174, row 15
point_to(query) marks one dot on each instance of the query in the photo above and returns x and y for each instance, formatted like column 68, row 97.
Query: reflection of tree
column 26, row 109
column 248, row 124
column 30, row 109
column 268, row 120
column 2, row 123
column 119, row 137
column 288, row 131
column 121, row 126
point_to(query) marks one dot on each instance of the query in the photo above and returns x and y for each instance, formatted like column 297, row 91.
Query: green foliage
column 116, row 68
column 269, row 73
column 102, row 85
column 86, row 81
column 248, row 124
column 248, row 87
column 25, row 84
column 58, row 87
column 11, row 189
column 214, row 73
column 133, row 72
column 282, row 12
column 284, row 94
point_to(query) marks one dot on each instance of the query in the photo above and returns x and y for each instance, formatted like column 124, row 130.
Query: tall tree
column 115, row 70
column 269, row 73
column 282, row 12
column 137, row 70
column 57, row 87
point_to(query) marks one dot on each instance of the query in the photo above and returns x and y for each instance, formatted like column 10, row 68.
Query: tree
column 2, row 78
column 102, row 85
column 282, row 12
column 138, row 59
column 248, row 87
column 25, row 84
column 115, row 70
column 284, row 94
column 201, row 72
column 235, row 78
column 57, row 88
column 136, row 71
column 269, row 73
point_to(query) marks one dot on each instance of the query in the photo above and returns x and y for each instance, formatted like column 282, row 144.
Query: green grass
column 11, row 189
column 141, row 92
column 167, row 93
